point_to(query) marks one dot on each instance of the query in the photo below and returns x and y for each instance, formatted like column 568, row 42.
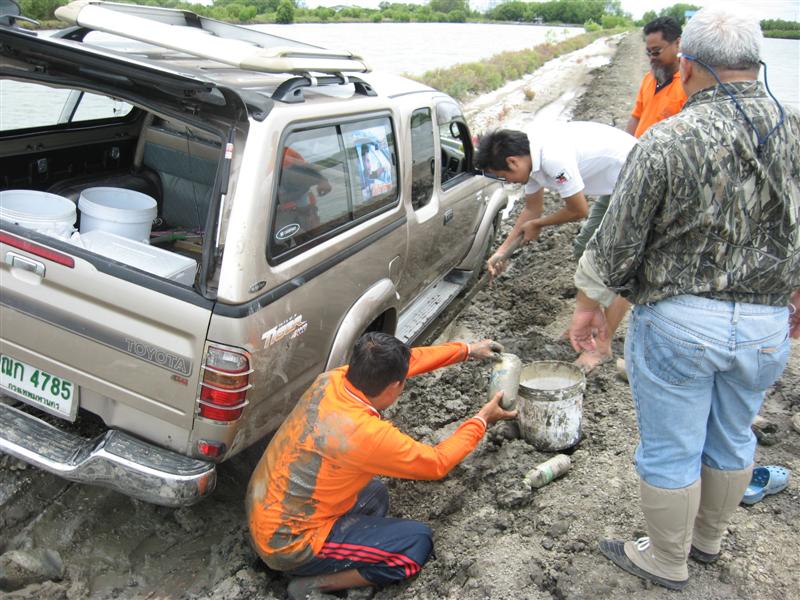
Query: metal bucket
column 550, row 404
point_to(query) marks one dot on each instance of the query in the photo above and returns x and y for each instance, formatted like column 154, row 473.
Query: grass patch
column 462, row 81
column 787, row 34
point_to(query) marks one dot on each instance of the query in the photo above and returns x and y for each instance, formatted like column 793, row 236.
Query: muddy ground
column 494, row 537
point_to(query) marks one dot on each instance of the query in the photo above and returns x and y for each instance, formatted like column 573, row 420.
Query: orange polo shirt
column 330, row 446
column 650, row 108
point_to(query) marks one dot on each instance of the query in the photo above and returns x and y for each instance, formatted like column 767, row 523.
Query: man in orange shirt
column 315, row 510
column 661, row 94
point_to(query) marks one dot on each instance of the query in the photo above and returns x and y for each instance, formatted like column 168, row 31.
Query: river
column 415, row 48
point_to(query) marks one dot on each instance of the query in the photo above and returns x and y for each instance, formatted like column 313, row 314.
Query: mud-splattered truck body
column 307, row 199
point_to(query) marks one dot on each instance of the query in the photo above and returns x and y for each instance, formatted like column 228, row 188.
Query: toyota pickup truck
column 313, row 199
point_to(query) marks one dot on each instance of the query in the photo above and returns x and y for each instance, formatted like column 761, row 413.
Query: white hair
column 720, row 37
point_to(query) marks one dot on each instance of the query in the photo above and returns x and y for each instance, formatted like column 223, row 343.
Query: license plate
column 55, row 395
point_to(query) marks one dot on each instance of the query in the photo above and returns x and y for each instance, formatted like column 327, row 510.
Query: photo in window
column 370, row 147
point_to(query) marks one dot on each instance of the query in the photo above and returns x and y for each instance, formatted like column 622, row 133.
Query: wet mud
column 495, row 536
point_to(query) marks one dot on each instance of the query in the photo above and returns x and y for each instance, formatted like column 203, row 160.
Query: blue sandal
column 765, row 481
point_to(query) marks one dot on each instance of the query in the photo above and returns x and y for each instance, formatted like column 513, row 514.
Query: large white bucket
column 117, row 210
column 43, row 212
column 550, row 404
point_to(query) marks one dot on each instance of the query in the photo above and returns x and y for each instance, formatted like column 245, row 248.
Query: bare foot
column 621, row 370
column 591, row 359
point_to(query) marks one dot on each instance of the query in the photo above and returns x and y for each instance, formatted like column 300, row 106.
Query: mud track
column 494, row 538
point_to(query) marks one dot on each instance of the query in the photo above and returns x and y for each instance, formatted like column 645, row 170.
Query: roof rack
column 202, row 37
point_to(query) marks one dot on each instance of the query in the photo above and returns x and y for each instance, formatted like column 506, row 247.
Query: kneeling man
column 315, row 510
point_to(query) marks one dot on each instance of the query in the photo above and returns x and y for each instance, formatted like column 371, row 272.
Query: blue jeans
column 699, row 369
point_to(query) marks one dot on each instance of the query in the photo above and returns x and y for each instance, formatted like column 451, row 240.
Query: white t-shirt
column 578, row 156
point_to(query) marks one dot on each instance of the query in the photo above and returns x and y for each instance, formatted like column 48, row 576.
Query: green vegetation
column 778, row 28
column 607, row 13
column 467, row 79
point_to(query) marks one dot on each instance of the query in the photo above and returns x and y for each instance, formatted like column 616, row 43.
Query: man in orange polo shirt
column 315, row 510
column 661, row 94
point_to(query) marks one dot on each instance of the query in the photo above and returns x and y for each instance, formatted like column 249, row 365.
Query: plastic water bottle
column 505, row 378
column 547, row 471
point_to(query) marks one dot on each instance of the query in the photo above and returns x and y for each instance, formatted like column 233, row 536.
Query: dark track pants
column 383, row 549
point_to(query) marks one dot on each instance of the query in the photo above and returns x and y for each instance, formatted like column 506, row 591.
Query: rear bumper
column 114, row 460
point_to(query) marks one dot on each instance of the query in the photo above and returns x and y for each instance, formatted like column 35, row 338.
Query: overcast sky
column 763, row 9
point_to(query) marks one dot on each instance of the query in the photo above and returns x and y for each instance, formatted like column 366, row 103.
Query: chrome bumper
column 114, row 460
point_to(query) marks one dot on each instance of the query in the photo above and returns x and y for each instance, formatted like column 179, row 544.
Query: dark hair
column 670, row 28
column 378, row 360
column 496, row 146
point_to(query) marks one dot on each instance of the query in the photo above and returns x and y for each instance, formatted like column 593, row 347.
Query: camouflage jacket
column 695, row 211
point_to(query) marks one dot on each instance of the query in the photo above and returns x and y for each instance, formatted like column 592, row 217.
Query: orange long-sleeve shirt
column 330, row 446
column 652, row 107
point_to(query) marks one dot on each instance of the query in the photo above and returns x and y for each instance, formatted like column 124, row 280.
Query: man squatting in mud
column 314, row 507
column 574, row 159
column 703, row 236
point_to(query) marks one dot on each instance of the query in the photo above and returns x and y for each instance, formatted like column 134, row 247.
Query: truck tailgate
column 128, row 343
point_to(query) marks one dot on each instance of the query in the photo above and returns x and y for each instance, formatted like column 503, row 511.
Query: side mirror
column 10, row 14
column 454, row 130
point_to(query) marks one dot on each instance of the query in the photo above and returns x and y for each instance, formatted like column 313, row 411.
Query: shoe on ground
column 766, row 481
column 702, row 557
column 615, row 551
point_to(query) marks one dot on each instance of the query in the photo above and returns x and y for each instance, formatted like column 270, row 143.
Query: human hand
column 485, row 349
column 492, row 412
column 323, row 187
column 587, row 324
column 531, row 230
column 496, row 264
column 794, row 315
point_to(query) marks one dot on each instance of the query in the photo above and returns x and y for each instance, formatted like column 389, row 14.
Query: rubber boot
column 661, row 558
column 721, row 492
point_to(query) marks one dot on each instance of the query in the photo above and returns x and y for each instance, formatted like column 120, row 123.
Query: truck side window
column 312, row 194
column 423, row 157
column 454, row 141
column 331, row 177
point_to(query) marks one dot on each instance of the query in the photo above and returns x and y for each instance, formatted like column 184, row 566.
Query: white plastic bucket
column 43, row 212
column 117, row 210
column 550, row 404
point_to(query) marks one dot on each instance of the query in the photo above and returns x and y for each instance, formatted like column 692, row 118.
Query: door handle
column 18, row 261
column 448, row 216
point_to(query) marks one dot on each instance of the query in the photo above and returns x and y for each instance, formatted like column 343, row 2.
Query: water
column 783, row 70
column 548, row 384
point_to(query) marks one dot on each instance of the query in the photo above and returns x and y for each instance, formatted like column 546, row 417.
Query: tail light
column 226, row 379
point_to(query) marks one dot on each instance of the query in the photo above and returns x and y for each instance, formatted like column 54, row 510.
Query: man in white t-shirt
column 576, row 160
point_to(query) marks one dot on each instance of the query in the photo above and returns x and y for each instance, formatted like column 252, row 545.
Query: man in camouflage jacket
column 703, row 236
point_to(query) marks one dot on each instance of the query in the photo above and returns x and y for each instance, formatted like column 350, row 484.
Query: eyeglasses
column 488, row 175
column 653, row 51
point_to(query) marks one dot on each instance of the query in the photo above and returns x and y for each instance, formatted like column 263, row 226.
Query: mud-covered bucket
column 550, row 404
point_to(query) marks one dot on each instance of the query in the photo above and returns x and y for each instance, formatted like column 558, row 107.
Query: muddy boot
column 661, row 557
column 721, row 492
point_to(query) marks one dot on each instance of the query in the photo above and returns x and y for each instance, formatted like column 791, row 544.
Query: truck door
column 459, row 190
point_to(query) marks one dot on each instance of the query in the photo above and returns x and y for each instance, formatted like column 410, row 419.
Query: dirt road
column 494, row 537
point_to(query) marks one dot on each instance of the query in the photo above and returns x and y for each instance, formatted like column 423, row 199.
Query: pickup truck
column 313, row 200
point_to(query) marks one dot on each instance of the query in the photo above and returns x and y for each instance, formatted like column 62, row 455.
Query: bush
column 591, row 26
column 285, row 13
